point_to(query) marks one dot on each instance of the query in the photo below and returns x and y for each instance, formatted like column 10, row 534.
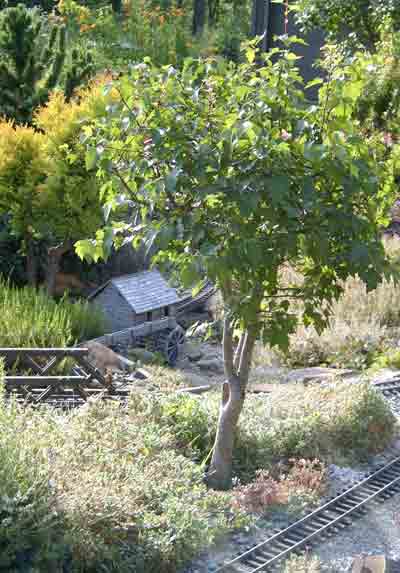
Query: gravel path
column 377, row 533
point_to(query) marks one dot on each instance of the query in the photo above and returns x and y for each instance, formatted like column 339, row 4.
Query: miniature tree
column 33, row 62
column 243, row 180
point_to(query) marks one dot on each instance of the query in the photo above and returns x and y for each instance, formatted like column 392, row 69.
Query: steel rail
column 350, row 503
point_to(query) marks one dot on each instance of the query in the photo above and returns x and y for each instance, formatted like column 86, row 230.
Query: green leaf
column 91, row 158
column 85, row 249
column 250, row 55
column 279, row 187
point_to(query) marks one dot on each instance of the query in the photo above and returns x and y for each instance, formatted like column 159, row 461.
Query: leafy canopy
column 237, row 177
column 353, row 23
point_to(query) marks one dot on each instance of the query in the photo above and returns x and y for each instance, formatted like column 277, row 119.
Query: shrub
column 303, row 484
column 29, row 318
column 30, row 533
column 334, row 422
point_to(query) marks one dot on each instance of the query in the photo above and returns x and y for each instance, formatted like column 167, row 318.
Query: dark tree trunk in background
column 54, row 256
column 31, row 262
column 199, row 16
column 116, row 6
column 213, row 11
column 260, row 21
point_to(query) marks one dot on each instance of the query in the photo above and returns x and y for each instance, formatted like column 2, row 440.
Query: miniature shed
column 131, row 300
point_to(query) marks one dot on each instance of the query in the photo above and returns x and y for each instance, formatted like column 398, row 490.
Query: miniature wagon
column 140, row 311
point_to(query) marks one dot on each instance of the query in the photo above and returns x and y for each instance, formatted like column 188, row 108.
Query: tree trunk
column 219, row 475
column 116, row 6
column 31, row 262
column 260, row 22
column 199, row 16
column 237, row 368
column 54, row 256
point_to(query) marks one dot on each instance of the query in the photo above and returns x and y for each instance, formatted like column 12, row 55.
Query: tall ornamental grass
column 29, row 318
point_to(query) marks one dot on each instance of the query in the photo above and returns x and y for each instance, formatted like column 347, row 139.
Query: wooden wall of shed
column 118, row 312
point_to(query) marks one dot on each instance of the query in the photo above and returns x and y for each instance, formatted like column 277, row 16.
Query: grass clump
column 29, row 318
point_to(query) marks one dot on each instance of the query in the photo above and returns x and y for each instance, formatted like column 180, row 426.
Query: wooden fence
column 39, row 386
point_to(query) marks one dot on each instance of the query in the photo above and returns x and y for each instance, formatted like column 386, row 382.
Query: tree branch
column 238, row 352
column 246, row 356
column 227, row 346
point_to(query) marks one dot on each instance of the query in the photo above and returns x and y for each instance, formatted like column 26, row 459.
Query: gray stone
column 193, row 352
column 141, row 374
column 200, row 330
column 211, row 364
column 195, row 389
column 142, row 355
column 316, row 374
column 195, row 379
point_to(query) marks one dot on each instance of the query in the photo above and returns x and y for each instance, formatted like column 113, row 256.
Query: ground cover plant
column 101, row 489
column 121, row 488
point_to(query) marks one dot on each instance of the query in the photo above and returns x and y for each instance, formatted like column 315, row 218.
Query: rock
column 143, row 355
column 194, row 379
column 344, row 474
column 195, row 389
column 316, row 374
column 371, row 564
column 200, row 330
column 193, row 352
column 141, row 374
column 106, row 359
column 268, row 374
column 261, row 388
column 211, row 365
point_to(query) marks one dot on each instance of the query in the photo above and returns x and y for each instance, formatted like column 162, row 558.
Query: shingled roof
column 143, row 291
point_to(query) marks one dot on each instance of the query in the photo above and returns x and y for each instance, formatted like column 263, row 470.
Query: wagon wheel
column 170, row 343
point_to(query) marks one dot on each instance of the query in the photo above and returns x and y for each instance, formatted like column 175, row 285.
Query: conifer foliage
column 33, row 61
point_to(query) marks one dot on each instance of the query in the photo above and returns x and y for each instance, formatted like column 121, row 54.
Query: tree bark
column 237, row 368
column 31, row 262
column 54, row 256
column 219, row 475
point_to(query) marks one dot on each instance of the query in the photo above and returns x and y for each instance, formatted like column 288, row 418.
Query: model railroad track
column 327, row 520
